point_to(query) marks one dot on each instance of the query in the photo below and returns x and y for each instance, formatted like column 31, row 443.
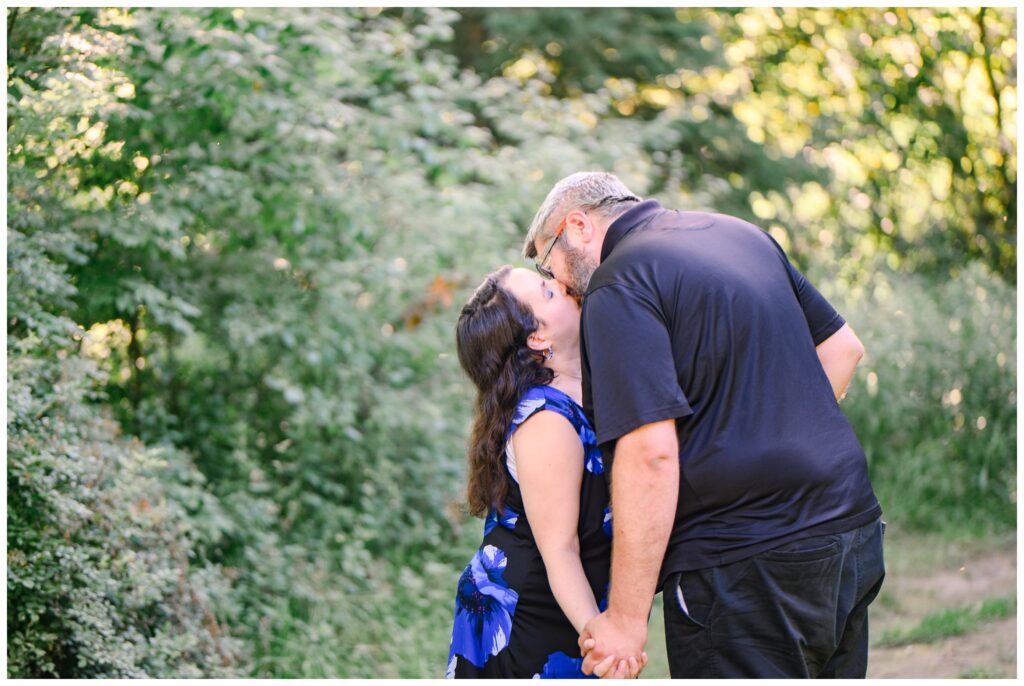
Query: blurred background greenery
column 238, row 240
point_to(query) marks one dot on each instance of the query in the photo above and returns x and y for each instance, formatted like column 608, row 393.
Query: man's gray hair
column 600, row 192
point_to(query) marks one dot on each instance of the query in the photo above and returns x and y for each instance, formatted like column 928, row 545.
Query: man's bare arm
column 645, row 492
column 839, row 355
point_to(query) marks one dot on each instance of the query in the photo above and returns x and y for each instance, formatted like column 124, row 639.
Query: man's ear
column 582, row 224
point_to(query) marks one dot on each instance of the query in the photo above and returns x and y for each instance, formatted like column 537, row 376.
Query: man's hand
column 613, row 647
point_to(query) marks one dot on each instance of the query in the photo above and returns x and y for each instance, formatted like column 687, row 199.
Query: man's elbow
column 843, row 346
column 654, row 448
column 657, row 460
column 856, row 348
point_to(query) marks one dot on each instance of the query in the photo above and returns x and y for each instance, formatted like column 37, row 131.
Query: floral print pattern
column 484, row 608
column 561, row 666
column 507, row 520
column 508, row 623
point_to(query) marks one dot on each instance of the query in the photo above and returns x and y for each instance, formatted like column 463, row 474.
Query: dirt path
column 929, row 581
column 990, row 653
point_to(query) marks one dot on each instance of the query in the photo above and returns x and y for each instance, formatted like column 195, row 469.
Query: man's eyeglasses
column 541, row 265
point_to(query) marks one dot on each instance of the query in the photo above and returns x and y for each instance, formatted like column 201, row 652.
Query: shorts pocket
column 804, row 550
column 691, row 606
column 687, row 625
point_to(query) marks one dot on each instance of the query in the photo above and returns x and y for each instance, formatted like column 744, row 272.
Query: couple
column 696, row 393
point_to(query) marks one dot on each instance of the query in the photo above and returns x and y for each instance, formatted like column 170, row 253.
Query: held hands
column 626, row 669
column 613, row 648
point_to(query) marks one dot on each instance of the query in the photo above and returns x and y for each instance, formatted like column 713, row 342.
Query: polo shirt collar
column 621, row 227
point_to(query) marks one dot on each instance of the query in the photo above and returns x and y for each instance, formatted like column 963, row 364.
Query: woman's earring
column 549, row 353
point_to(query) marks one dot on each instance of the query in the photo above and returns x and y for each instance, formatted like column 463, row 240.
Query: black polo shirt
column 701, row 318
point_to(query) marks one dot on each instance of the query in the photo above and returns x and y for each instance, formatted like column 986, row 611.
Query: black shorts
column 799, row 610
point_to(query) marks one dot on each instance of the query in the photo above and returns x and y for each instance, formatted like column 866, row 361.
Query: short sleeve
column 631, row 366
column 822, row 318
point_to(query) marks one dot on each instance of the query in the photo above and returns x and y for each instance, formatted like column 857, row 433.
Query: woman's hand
column 625, row 669
column 609, row 635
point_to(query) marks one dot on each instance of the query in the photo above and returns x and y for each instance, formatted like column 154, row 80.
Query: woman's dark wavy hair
column 491, row 340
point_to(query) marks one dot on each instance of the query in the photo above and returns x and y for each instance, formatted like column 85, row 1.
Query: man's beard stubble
column 580, row 271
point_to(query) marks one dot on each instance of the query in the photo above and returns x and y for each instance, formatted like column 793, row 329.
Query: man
column 712, row 371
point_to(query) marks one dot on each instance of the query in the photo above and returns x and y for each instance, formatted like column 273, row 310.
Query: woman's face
column 557, row 312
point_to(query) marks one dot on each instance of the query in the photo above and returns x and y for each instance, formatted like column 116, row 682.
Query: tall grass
column 934, row 400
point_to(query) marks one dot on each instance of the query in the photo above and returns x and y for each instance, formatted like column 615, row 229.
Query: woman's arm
column 549, row 464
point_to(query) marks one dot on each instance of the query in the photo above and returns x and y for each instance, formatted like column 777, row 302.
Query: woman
column 535, row 471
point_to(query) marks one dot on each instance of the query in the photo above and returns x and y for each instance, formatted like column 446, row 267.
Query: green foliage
column 257, row 281
column 956, row 622
column 862, row 130
column 106, row 571
column 934, row 400
column 911, row 110
column 584, row 48
column 670, row 96
column 105, row 576
column 237, row 244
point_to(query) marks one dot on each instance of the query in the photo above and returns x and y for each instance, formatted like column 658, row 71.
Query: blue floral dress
column 507, row 621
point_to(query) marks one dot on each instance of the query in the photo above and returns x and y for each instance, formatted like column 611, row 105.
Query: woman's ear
column 537, row 342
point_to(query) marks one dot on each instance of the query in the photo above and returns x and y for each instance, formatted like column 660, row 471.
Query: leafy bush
column 934, row 400
column 106, row 575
